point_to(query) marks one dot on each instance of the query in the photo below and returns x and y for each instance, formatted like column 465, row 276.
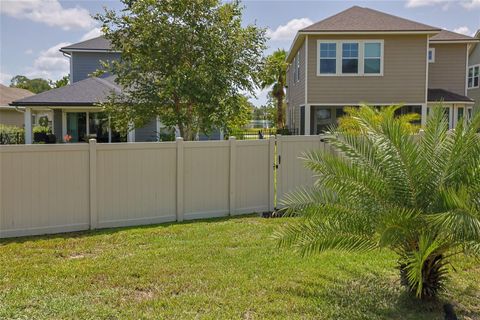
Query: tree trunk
column 280, row 117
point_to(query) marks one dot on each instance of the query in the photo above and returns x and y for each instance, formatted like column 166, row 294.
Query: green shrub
column 42, row 129
column 11, row 135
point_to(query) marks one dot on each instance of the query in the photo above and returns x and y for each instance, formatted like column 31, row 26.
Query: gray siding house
column 361, row 56
column 474, row 72
column 76, row 115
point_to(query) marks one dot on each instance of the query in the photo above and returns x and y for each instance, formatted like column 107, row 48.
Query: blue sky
column 32, row 31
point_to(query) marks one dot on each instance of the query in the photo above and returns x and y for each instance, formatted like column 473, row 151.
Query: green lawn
column 212, row 269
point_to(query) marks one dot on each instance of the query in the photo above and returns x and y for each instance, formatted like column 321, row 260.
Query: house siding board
column 147, row 133
column 296, row 90
column 448, row 70
column 10, row 117
column 85, row 63
column 474, row 59
column 401, row 82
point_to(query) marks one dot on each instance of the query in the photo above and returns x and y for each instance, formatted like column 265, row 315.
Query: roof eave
column 53, row 104
column 455, row 41
column 69, row 51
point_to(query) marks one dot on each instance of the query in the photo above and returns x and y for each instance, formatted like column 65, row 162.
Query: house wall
column 448, row 70
column 11, row 117
column 296, row 91
column 57, row 124
column 403, row 80
column 473, row 59
column 83, row 64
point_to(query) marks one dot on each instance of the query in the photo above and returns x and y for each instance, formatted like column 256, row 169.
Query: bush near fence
column 11, row 135
column 265, row 133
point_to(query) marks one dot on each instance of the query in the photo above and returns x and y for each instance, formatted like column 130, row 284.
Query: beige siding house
column 9, row 115
column 473, row 79
column 362, row 55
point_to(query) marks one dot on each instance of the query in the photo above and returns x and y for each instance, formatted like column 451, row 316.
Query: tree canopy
column 187, row 62
column 37, row 85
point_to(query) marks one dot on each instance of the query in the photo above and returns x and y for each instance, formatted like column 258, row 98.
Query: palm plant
column 417, row 195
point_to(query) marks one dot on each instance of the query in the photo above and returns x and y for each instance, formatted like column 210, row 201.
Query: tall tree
column 274, row 75
column 419, row 196
column 186, row 61
column 65, row 80
column 36, row 85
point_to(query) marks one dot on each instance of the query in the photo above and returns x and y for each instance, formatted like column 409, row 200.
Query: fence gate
column 291, row 171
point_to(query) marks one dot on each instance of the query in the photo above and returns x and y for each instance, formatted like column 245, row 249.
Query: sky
column 32, row 31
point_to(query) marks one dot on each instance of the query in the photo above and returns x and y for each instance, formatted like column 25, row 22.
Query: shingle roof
column 8, row 94
column 357, row 19
column 446, row 35
column 86, row 92
column 98, row 43
column 438, row 95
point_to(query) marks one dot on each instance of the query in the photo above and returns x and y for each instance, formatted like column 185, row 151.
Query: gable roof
column 8, row 94
column 96, row 44
column 445, row 35
column 86, row 92
column 359, row 19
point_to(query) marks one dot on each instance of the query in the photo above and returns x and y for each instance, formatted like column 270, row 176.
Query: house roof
column 96, row 44
column 356, row 19
column 8, row 94
column 450, row 36
column 439, row 95
column 86, row 92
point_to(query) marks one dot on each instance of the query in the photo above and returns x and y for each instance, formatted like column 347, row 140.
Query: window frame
column 433, row 55
column 359, row 48
column 473, row 76
column 361, row 58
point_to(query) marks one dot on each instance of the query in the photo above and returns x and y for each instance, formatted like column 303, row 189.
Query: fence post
column 92, row 143
column 232, row 176
column 278, row 160
column 180, row 178
column 271, row 173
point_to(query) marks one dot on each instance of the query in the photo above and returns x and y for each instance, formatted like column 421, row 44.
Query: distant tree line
column 37, row 85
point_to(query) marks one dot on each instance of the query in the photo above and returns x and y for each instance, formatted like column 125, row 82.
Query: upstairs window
column 372, row 62
column 431, row 55
column 350, row 57
column 328, row 58
column 297, row 66
column 473, row 76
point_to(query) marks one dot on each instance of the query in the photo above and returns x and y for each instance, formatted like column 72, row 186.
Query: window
column 372, row 57
column 296, row 68
column 328, row 58
column 473, row 76
column 350, row 57
column 431, row 55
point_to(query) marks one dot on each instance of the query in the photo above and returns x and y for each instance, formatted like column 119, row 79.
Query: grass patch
column 224, row 268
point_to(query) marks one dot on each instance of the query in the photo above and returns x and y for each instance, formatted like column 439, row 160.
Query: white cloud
column 471, row 4
column 288, row 31
column 423, row 3
column 95, row 32
column 463, row 30
column 5, row 78
column 50, row 64
column 49, row 12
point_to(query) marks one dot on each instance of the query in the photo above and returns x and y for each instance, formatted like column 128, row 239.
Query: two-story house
column 473, row 81
column 75, row 106
column 361, row 56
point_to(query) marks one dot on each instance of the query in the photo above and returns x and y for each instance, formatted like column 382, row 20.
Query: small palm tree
column 274, row 75
column 417, row 195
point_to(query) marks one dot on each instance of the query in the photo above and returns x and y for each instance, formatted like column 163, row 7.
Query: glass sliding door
column 77, row 126
column 98, row 126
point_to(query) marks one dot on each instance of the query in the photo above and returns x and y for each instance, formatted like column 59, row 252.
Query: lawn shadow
column 109, row 231
column 364, row 297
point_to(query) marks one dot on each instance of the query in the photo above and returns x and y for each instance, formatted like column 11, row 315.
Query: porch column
column 307, row 120
column 424, row 115
column 28, row 125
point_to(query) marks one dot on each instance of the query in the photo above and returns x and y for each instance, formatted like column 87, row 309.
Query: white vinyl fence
column 71, row 187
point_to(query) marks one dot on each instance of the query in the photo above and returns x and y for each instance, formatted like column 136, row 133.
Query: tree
column 417, row 195
column 34, row 85
column 65, row 80
column 274, row 75
column 187, row 62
